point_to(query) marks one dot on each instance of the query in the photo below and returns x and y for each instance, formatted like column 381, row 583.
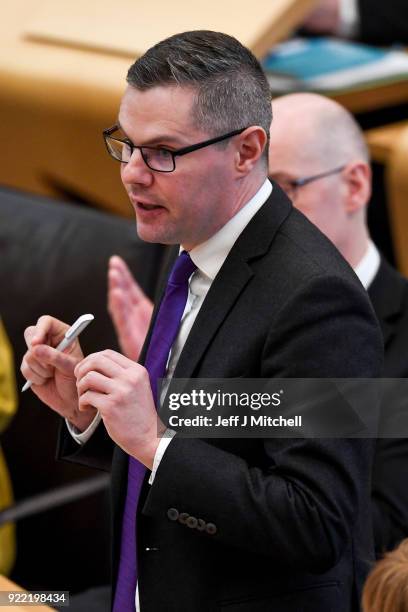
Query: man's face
column 321, row 201
column 186, row 206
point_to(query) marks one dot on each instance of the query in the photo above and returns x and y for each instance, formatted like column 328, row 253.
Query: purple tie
column 163, row 335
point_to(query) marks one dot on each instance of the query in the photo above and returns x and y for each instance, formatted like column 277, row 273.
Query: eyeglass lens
column 156, row 159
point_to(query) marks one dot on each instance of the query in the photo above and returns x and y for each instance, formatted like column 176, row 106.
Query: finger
column 120, row 360
column 32, row 374
column 38, row 368
column 48, row 330
column 99, row 362
column 117, row 303
column 63, row 362
column 118, row 274
column 132, row 293
column 93, row 399
column 29, row 332
column 94, row 381
column 125, row 313
column 121, row 277
column 114, row 278
column 119, row 266
column 119, row 308
column 109, row 363
column 130, row 324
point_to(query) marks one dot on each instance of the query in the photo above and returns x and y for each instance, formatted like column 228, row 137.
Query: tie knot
column 182, row 269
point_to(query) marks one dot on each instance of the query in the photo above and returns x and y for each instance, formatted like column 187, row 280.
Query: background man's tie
column 162, row 338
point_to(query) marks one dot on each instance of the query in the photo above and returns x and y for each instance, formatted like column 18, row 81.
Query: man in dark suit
column 323, row 165
column 238, row 524
column 371, row 21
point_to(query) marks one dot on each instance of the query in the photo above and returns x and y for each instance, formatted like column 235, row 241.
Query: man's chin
column 154, row 235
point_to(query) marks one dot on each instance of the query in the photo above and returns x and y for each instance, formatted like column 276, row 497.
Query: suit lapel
column 218, row 302
column 232, row 279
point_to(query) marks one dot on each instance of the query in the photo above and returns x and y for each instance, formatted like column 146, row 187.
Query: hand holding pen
column 73, row 332
column 51, row 370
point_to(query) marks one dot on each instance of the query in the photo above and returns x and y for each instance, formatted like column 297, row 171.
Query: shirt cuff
column 349, row 19
column 161, row 449
column 83, row 436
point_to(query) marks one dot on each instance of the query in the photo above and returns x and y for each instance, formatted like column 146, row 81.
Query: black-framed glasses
column 290, row 186
column 158, row 159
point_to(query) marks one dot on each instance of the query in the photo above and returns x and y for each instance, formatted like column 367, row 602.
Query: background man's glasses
column 158, row 159
column 290, row 186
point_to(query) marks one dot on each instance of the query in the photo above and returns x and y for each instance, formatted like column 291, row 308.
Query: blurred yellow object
column 8, row 406
column 389, row 146
column 8, row 395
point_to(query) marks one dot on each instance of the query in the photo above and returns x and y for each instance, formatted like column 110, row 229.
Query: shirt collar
column 211, row 254
column 368, row 266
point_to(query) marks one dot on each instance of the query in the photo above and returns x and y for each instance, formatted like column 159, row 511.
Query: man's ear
column 358, row 181
column 249, row 148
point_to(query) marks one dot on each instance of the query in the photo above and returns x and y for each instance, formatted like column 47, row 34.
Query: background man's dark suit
column 383, row 22
column 389, row 295
column 283, row 521
column 379, row 22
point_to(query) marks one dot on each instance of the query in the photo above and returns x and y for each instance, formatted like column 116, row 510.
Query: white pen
column 70, row 335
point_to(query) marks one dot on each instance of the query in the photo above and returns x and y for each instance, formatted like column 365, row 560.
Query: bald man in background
column 319, row 157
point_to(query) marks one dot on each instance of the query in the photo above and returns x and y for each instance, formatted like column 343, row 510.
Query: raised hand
column 325, row 18
column 129, row 307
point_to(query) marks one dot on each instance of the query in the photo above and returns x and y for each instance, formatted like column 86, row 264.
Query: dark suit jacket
column 383, row 22
column 283, row 521
column 389, row 296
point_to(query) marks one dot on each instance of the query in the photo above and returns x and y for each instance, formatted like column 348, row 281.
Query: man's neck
column 246, row 190
column 356, row 247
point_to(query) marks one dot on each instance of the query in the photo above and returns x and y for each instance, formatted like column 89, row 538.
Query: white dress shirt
column 368, row 266
column 349, row 19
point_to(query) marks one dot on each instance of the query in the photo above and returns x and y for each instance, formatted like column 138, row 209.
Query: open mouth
column 148, row 206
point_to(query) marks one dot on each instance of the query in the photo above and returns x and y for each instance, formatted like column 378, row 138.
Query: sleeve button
column 183, row 516
column 201, row 525
column 211, row 529
column 192, row 522
column 172, row 514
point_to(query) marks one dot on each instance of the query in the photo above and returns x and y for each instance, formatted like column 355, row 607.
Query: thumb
column 60, row 361
column 32, row 337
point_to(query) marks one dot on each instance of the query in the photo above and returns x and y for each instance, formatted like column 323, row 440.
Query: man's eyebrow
column 157, row 139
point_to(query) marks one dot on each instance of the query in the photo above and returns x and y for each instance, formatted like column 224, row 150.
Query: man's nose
column 136, row 171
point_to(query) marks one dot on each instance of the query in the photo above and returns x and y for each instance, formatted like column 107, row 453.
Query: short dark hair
column 231, row 89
